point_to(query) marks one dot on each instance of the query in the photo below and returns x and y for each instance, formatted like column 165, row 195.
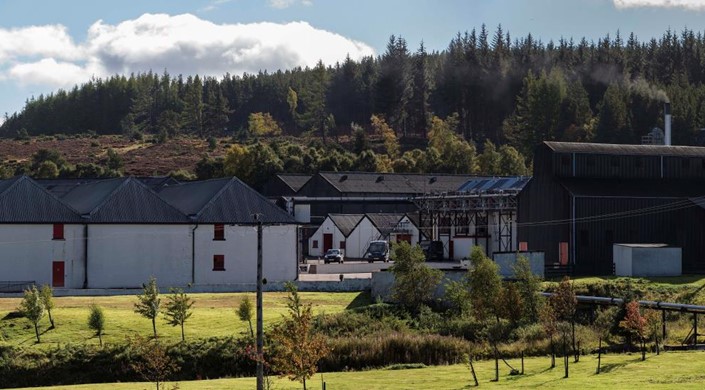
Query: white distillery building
column 117, row 233
column 353, row 232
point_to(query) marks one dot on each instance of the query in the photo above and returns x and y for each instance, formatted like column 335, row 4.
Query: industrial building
column 585, row 197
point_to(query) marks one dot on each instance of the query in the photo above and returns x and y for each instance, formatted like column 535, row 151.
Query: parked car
column 433, row 250
column 334, row 255
column 378, row 250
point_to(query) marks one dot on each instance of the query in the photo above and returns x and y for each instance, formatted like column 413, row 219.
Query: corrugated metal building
column 585, row 197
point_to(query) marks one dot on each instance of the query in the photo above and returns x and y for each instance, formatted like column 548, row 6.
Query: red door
column 404, row 237
column 57, row 279
column 327, row 242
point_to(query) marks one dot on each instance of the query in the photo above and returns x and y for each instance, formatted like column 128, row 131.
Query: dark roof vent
column 379, row 179
column 343, row 178
column 432, row 180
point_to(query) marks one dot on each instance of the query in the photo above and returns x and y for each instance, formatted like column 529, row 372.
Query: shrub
column 393, row 348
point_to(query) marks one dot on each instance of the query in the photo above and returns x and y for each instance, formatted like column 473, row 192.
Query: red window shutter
column 58, row 231
column 218, row 262
column 523, row 246
column 219, row 232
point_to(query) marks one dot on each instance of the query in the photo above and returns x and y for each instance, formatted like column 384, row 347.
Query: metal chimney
column 667, row 123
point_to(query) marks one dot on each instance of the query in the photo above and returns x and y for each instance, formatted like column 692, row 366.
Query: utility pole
column 260, row 343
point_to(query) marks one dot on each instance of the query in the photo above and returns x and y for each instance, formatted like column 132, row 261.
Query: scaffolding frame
column 447, row 212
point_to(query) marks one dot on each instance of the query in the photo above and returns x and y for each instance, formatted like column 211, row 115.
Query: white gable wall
column 279, row 261
column 327, row 227
column 408, row 226
column 27, row 253
column 359, row 239
column 125, row 256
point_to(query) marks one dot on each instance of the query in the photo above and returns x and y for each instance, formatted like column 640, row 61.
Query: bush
column 81, row 363
column 393, row 348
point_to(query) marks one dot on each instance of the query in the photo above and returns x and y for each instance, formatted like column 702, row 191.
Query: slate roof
column 22, row 200
column 294, row 181
column 122, row 200
column 619, row 149
column 346, row 222
column 226, row 200
column 385, row 222
column 61, row 187
column 393, row 183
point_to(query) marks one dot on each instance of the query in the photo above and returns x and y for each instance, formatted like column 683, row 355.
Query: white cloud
column 280, row 4
column 214, row 5
column 50, row 40
column 182, row 44
column 48, row 71
column 686, row 4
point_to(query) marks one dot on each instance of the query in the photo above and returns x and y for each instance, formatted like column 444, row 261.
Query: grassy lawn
column 213, row 315
column 674, row 370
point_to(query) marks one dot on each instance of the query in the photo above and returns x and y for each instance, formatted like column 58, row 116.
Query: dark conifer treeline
column 517, row 91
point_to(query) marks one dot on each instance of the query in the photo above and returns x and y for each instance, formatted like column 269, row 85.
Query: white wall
column 125, row 256
column 327, row 227
column 28, row 251
column 279, row 262
column 407, row 224
column 359, row 239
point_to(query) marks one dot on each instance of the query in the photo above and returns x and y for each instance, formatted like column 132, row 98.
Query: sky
column 48, row 44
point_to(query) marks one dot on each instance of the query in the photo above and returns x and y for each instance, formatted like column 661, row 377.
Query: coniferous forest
column 516, row 91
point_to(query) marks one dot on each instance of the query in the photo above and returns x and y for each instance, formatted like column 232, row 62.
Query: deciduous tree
column 47, row 295
column 178, row 309
column 96, row 322
column 414, row 281
column 298, row 348
column 148, row 303
column 32, row 308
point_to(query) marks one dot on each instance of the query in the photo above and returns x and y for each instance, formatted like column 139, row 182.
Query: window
column 218, row 262
column 315, row 244
column 219, row 232
column 523, row 246
column 342, row 244
column 58, row 231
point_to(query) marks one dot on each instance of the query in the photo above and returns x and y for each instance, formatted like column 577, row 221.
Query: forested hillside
column 484, row 86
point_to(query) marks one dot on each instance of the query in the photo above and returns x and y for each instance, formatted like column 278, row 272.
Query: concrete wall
column 327, row 227
column 359, row 239
column 506, row 261
column 641, row 261
column 125, row 256
column 279, row 261
column 28, row 251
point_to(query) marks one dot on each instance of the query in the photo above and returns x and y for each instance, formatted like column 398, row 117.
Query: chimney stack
column 667, row 123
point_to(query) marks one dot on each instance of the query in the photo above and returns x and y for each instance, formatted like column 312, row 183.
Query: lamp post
column 260, row 343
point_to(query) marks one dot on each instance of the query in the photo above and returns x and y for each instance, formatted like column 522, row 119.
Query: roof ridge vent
column 343, row 178
column 379, row 179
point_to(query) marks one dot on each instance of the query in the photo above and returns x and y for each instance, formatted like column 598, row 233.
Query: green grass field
column 213, row 315
column 673, row 370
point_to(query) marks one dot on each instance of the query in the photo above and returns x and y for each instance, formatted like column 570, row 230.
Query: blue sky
column 50, row 44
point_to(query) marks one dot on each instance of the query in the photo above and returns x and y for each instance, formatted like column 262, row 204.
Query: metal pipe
column 666, row 306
